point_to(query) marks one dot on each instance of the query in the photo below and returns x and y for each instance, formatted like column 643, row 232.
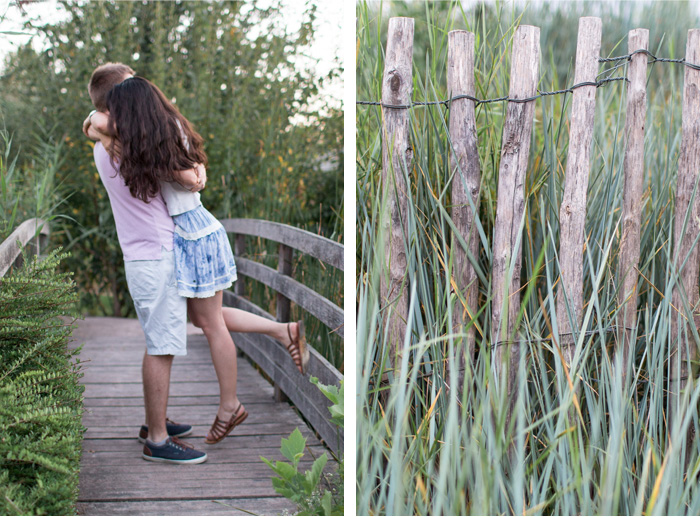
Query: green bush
column 40, row 397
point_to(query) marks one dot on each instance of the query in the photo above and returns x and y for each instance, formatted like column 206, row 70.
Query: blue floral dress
column 204, row 262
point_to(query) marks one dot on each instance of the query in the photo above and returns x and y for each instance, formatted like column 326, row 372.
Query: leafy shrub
column 40, row 397
column 305, row 489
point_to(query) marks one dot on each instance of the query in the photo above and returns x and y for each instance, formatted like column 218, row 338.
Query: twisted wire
column 620, row 60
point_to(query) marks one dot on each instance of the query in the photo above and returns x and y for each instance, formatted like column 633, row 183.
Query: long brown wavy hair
column 154, row 138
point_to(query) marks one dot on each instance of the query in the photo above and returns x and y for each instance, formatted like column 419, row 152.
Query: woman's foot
column 224, row 424
column 296, row 345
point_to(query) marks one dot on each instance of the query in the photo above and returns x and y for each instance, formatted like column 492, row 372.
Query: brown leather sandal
column 297, row 348
column 220, row 429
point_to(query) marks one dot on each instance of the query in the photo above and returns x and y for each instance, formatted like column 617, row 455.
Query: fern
column 40, row 397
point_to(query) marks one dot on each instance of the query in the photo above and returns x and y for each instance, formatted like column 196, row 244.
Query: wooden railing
column 267, row 353
column 32, row 234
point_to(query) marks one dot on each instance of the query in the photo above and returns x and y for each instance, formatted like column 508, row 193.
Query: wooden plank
column 686, row 227
column 397, row 157
column 326, row 311
column 239, row 248
column 200, row 431
column 466, row 185
column 507, row 239
column 24, row 233
column 240, row 506
column 637, row 39
column 305, row 396
column 182, row 372
column 308, row 243
column 237, row 445
column 126, row 416
column 572, row 213
column 173, row 402
column 131, row 487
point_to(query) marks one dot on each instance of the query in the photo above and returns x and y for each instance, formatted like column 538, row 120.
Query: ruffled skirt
column 204, row 261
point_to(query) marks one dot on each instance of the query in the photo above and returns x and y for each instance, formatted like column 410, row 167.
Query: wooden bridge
column 114, row 479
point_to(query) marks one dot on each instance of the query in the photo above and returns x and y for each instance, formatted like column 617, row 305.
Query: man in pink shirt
column 145, row 232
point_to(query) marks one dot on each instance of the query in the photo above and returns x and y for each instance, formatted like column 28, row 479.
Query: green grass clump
column 41, row 401
column 583, row 439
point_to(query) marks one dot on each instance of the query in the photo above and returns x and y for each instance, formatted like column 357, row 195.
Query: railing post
column 572, row 213
column 507, row 253
column 397, row 155
column 284, row 267
column 239, row 248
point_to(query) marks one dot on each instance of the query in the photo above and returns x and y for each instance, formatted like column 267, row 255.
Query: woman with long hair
column 159, row 152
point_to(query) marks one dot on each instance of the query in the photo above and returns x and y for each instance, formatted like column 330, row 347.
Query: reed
column 584, row 440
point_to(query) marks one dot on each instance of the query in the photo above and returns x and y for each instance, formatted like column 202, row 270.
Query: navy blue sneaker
column 173, row 428
column 173, row 451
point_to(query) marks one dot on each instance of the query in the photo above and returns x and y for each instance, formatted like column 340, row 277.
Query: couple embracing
column 177, row 256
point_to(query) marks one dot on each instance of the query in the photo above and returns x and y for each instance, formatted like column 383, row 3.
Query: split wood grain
column 466, row 186
column 635, row 123
column 686, row 223
column 397, row 156
column 507, row 253
column 572, row 213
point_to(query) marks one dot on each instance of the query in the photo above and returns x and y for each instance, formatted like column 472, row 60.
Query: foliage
column 602, row 445
column 40, row 397
column 233, row 69
column 303, row 489
column 337, row 397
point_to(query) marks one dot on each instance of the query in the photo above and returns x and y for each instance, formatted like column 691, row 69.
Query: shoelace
column 180, row 444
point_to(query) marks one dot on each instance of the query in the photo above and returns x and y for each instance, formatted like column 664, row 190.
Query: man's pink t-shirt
column 143, row 229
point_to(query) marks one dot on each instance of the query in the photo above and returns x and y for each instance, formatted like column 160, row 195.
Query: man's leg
column 156, row 384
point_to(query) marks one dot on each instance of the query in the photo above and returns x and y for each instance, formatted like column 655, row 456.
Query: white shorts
column 161, row 311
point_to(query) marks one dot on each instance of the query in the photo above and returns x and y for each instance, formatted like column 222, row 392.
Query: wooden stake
column 511, row 201
column 687, row 221
column 397, row 156
column 466, row 183
column 638, row 39
column 572, row 214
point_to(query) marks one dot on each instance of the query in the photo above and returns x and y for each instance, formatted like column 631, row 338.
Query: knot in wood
column 395, row 81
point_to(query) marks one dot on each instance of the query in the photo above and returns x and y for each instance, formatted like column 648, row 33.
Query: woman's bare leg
column 206, row 314
column 238, row 320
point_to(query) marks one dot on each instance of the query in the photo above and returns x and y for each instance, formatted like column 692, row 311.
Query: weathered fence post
column 466, row 183
column 239, row 248
column 638, row 39
column 284, row 267
column 397, row 155
column 507, row 254
column 572, row 213
column 686, row 225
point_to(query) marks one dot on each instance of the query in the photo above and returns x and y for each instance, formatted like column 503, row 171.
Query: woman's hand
column 193, row 179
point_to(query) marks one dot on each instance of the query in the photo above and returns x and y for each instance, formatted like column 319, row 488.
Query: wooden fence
column 464, row 164
column 32, row 234
column 267, row 353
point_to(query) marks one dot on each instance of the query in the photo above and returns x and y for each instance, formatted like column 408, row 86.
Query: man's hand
column 193, row 179
column 86, row 124
column 201, row 173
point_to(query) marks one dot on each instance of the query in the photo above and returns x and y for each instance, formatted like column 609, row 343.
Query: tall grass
column 584, row 439
column 32, row 189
